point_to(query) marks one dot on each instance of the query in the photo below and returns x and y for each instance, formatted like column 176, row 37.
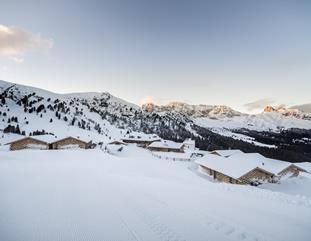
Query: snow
column 260, row 122
column 271, row 165
column 299, row 186
column 237, row 136
column 113, row 148
column 175, row 156
column 232, row 168
column 166, row 144
column 304, row 165
column 92, row 195
column 227, row 153
column 44, row 138
column 239, row 164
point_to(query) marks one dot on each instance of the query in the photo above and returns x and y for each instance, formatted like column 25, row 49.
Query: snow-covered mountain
column 101, row 116
column 212, row 111
column 303, row 108
column 293, row 112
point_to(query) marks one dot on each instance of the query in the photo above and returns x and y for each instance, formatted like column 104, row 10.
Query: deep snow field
column 89, row 195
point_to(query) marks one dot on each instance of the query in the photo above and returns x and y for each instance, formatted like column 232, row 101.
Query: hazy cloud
column 259, row 104
column 15, row 42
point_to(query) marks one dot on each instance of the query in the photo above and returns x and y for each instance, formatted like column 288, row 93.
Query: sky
column 245, row 54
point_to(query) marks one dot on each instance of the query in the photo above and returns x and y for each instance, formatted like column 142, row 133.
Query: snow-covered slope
column 77, row 114
column 292, row 112
column 104, row 117
column 91, row 195
column 271, row 121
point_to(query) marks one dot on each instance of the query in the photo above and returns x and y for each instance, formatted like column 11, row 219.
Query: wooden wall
column 69, row 141
column 23, row 144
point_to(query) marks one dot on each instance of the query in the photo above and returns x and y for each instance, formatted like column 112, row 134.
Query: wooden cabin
column 292, row 170
column 28, row 143
column 69, row 142
column 142, row 142
column 247, row 168
column 166, row 146
column 250, row 176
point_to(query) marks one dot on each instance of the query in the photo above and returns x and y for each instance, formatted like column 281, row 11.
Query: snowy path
column 92, row 196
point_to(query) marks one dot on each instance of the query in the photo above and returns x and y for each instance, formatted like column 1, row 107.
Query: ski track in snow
column 213, row 224
column 130, row 198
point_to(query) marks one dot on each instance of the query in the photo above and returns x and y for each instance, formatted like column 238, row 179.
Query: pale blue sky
column 209, row 52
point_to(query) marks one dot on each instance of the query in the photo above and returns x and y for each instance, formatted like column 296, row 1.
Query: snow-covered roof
column 116, row 142
column 239, row 164
column 232, row 168
column 86, row 140
column 227, row 153
column 44, row 138
column 47, row 138
column 271, row 165
column 166, row 144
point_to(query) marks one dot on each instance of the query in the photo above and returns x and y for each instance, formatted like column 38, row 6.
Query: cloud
column 259, row 104
column 15, row 42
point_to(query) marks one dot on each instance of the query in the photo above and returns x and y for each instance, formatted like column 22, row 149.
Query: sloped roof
column 226, row 153
column 166, row 144
column 43, row 138
column 69, row 137
column 116, row 142
column 239, row 164
column 232, row 168
column 271, row 165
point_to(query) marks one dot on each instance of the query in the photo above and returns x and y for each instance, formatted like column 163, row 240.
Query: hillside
column 102, row 117
column 92, row 195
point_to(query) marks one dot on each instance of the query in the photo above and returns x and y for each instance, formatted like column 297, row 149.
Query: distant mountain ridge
column 292, row 111
column 103, row 117
column 193, row 110
column 304, row 108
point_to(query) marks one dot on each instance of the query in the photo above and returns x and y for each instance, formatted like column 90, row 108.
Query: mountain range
column 276, row 132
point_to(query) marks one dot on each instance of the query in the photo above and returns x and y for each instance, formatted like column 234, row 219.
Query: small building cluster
column 171, row 146
column 140, row 140
column 166, row 146
column 234, row 166
column 48, row 142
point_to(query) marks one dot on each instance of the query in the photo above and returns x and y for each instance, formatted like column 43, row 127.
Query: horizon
column 148, row 99
column 243, row 55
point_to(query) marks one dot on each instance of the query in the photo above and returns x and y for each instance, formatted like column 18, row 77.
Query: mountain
column 212, row 111
column 294, row 112
column 303, row 108
column 101, row 117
